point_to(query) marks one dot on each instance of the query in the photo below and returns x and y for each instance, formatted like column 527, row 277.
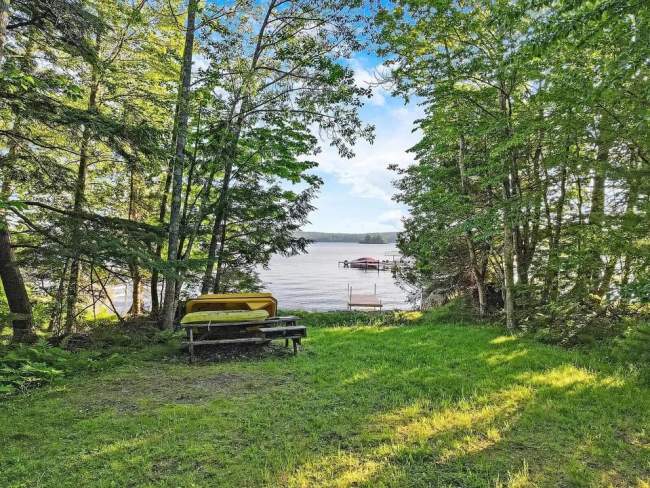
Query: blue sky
column 356, row 195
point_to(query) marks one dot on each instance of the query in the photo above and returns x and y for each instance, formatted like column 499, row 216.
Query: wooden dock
column 363, row 300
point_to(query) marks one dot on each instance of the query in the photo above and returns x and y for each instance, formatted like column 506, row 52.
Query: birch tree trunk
column 4, row 21
column 169, row 304
column 508, row 246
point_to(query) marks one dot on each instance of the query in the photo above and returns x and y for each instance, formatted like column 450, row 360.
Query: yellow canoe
column 233, row 301
column 224, row 316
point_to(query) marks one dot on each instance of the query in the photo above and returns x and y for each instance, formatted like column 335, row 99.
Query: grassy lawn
column 431, row 404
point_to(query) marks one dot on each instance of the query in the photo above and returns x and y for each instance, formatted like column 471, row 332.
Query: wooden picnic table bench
column 254, row 332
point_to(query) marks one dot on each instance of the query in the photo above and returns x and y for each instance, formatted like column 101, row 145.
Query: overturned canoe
column 224, row 316
column 233, row 302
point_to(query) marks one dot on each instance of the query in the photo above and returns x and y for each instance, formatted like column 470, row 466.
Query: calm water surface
column 315, row 281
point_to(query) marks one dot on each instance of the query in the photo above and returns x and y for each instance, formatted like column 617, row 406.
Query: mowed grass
column 425, row 405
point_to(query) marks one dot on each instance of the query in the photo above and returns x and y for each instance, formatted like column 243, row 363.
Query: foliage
column 104, row 345
column 89, row 136
column 530, row 178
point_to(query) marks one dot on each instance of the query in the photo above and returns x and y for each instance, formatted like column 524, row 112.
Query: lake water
column 315, row 281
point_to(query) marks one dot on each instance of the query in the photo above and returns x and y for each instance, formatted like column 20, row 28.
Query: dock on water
column 363, row 300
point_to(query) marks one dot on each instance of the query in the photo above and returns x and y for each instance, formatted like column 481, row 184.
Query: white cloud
column 366, row 173
column 370, row 78
column 392, row 218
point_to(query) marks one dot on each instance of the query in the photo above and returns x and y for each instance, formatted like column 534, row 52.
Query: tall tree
column 182, row 117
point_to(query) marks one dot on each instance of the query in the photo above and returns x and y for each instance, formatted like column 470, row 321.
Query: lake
column 315, row 281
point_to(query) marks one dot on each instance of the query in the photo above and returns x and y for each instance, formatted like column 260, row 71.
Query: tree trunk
column 220, row 212
column 169, row 305
column 155, row 277
column 474, row 265
column 508, row 255
column 20, row 307
column 589, row 269
column 216, row 228
column 134, row 268
column 608, row 274
column 14, row 287
column 479, row 278
column 55, row 319
column 551, row 285
column 508, row 270
column 610, row 268
column 231, row 154
column 136, row 292
column 4, row 21
column 188, row 190
column 597, row 210
column 79, row 200
column 222, row 246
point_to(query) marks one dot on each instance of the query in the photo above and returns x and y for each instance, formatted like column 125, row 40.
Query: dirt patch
column 135, row 393
column 222, row 380
column 240, row 352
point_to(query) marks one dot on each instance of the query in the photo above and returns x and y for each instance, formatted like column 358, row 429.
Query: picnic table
column 245, row 332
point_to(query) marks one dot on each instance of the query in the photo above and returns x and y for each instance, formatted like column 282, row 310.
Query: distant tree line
column 384, row 237
column 372, row 239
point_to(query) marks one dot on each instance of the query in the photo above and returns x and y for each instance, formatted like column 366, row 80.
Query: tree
column 180, row 124
column 24, row 22
column 527, row 172
column 288, row 71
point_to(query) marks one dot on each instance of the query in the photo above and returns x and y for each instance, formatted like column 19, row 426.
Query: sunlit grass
column 403, row 403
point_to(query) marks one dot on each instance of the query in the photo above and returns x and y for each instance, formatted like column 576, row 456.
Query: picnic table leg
column 191, row 344
column 286, row 343
column 295, row 346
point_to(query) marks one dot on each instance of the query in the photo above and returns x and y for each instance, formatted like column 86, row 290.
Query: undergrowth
column 23, row 367
column 105, row 346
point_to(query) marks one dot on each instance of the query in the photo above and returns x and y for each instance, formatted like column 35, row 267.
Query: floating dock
column 363, row 300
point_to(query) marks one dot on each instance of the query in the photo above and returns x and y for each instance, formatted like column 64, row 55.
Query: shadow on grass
column 362, row 406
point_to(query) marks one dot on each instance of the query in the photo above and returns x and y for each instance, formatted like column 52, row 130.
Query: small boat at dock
column 365, row 263
column 369, row 263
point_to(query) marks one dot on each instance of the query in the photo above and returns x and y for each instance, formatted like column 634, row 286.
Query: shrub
column 573, row 321
column 634, row 344
column 23, row 367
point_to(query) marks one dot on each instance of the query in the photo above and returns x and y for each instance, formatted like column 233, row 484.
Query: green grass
column 426, row 404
